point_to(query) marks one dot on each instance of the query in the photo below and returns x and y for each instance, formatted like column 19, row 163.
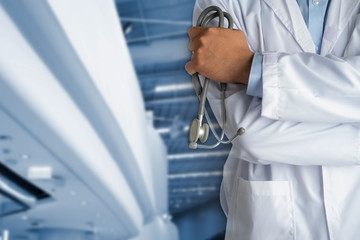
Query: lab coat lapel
column 289, row 14
column 339, row 14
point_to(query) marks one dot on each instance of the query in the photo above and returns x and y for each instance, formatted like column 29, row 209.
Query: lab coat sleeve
column 269, row 141
column 306, row 87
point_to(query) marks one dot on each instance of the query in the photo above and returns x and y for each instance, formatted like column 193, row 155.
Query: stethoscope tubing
column 203, row 21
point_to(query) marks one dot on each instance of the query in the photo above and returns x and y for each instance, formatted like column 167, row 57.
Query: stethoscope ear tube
column 197, row 130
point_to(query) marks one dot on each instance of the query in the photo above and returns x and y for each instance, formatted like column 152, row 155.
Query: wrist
column 247, row 69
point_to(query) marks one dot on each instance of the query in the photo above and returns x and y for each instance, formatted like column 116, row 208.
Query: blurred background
column 156, row 33
column 95, row 108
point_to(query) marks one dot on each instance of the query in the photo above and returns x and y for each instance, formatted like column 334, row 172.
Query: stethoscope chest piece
column 198, row 131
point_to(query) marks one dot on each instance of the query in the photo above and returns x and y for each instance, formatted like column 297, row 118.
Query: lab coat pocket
column 261, row 210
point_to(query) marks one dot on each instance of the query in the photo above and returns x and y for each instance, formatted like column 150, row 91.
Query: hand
column 220, row 54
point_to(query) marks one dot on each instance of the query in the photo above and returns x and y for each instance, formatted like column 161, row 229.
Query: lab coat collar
column 338, row 16
column 289, row 14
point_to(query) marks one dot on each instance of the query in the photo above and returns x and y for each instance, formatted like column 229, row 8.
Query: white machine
column 72, row 164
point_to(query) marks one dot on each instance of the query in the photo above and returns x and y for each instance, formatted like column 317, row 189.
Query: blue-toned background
column 156, row 33
column 95, row 108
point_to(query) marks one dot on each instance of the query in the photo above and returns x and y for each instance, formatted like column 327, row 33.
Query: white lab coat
column 295, row 173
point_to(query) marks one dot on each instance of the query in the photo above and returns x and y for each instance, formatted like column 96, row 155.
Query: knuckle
column 200, row 51
column 203, row 40
column 200, row 62
column 188, row 67
column 211, row 30
column 190, row 31
column 190, row 46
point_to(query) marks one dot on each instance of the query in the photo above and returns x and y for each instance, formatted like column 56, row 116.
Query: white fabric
column 295, row 173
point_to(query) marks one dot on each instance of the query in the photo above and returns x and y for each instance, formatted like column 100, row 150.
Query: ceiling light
column 168, row 130
column 173, row 87
column 197, row 155
column 194, row 189
column 40, row 172
column 5, row 234
column 195, row 175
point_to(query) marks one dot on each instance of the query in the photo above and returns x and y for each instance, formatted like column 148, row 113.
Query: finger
column 195, row 31
column 189, row 67
column 195, row 44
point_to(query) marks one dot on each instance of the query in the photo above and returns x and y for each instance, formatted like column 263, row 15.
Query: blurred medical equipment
column 199, row 131
column 49, row 156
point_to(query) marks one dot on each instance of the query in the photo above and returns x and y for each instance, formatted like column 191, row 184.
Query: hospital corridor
column 95, row 110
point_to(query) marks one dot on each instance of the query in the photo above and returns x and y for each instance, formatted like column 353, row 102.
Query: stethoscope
column 199, row 130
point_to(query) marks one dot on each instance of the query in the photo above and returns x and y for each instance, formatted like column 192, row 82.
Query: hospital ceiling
column 156, row 33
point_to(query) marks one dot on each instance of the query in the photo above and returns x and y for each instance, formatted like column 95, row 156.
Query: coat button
column 315, row 2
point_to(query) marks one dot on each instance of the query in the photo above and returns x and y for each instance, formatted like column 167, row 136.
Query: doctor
column 295, row 173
